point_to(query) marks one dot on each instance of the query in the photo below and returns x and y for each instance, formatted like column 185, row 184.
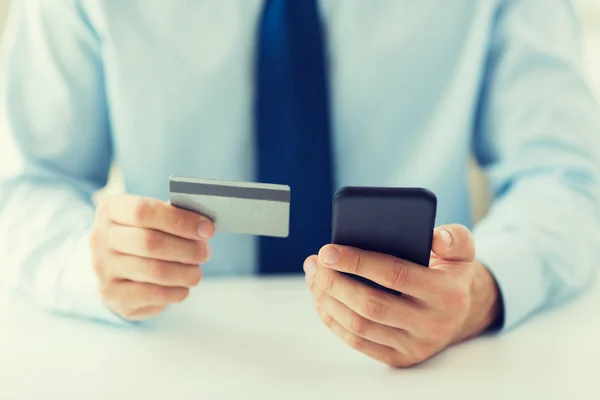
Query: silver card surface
column 238, row 207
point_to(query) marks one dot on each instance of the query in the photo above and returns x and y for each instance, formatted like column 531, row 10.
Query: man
column 317, row 96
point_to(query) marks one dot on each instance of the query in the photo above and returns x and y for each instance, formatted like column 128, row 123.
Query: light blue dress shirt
column 165, row 87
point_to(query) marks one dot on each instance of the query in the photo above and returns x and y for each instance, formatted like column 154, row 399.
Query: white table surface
column 244, row 339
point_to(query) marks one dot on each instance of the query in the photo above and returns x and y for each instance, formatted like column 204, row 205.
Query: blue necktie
column 292, row 128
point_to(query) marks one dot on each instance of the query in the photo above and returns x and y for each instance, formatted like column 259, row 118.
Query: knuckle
column 327, row 319
column 420, row 353
column 442, row 330
column 179, row 224
column 326, row 280
column 391, row 359
column 151, row 241
column 142, row 211
column 314, row 290
column 317, row 293
column 417, row 354
column 359, row 325
column 158, row 269
column 373, row 308
column 355, row 263
column 396, row 274
column 437, row 285
column 160, row 293
column 456, row 300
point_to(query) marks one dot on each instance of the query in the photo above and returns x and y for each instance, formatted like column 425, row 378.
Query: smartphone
column 394, row 221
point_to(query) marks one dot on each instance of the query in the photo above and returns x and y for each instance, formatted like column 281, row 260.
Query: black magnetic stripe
column 230, row 191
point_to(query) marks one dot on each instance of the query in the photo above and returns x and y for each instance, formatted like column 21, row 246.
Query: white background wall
column 589, row 11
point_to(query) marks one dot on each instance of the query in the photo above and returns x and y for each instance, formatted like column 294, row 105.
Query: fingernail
column 330, row 256
column 447, row 237
column 310, row 267
column 205, row 229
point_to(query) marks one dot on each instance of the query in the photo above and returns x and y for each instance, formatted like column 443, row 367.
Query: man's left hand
column 456, row 298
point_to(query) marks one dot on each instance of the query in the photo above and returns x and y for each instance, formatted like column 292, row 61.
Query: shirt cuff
column 76, row 288
column 516, row 271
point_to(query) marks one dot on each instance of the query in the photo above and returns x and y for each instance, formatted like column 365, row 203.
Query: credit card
column 239, row 207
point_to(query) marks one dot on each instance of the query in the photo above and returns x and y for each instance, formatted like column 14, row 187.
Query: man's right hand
column 147, row 254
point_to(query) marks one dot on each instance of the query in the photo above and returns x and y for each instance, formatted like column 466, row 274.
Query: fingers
column 379, row 352
column 146, row 254
column 370, row 303
column 151, row 213
column 358, row 325
column 395, row 347
column 391, row 272
column 128, row 297
column 158, row 245
column 310, row 268
column 397, row 330
column 453, row 243
column 158, row 272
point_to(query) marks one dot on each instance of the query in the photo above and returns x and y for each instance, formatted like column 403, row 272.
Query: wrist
column 486, row 304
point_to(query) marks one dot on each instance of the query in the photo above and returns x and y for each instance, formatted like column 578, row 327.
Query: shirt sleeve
column 538, row 138
column 55, row 152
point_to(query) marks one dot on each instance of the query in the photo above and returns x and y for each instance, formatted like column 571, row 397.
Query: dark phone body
column 394, row 221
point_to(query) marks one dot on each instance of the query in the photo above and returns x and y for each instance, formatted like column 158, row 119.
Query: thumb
column 454, row 243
